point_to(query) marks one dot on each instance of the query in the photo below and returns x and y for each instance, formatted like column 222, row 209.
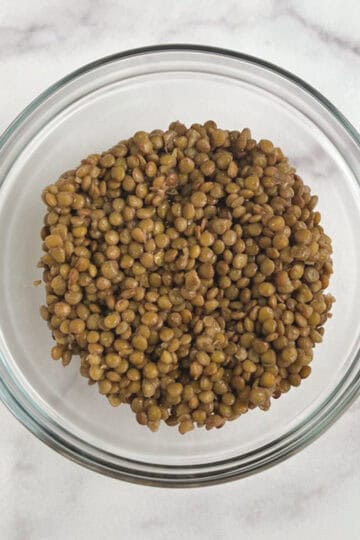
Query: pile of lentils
column 187, row 269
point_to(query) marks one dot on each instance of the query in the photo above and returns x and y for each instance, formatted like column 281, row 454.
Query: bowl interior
column 112, row 109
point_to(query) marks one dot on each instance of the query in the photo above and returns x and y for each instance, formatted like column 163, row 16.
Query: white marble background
column 314, row 495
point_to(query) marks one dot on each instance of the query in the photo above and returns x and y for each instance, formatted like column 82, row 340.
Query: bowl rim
column 290, row 444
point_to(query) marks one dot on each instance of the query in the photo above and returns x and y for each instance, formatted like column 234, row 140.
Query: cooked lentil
column 187, row 269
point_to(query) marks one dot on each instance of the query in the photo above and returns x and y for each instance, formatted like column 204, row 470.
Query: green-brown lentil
column 187, row 270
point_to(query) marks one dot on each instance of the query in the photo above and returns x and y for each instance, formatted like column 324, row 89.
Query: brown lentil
column 187, row 269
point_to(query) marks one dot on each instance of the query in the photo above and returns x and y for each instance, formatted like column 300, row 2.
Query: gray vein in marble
column 16, row 41
column 50, row 33
column 282, row 8
column 233, row 19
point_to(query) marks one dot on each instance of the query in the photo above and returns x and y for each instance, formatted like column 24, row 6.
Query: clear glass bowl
column 89, row 111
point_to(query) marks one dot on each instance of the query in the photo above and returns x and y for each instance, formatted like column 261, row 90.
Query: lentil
column 187, row 269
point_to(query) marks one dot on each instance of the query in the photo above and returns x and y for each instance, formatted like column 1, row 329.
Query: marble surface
column 315, row 494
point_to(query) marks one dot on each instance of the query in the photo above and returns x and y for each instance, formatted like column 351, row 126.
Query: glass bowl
column 90, row 110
